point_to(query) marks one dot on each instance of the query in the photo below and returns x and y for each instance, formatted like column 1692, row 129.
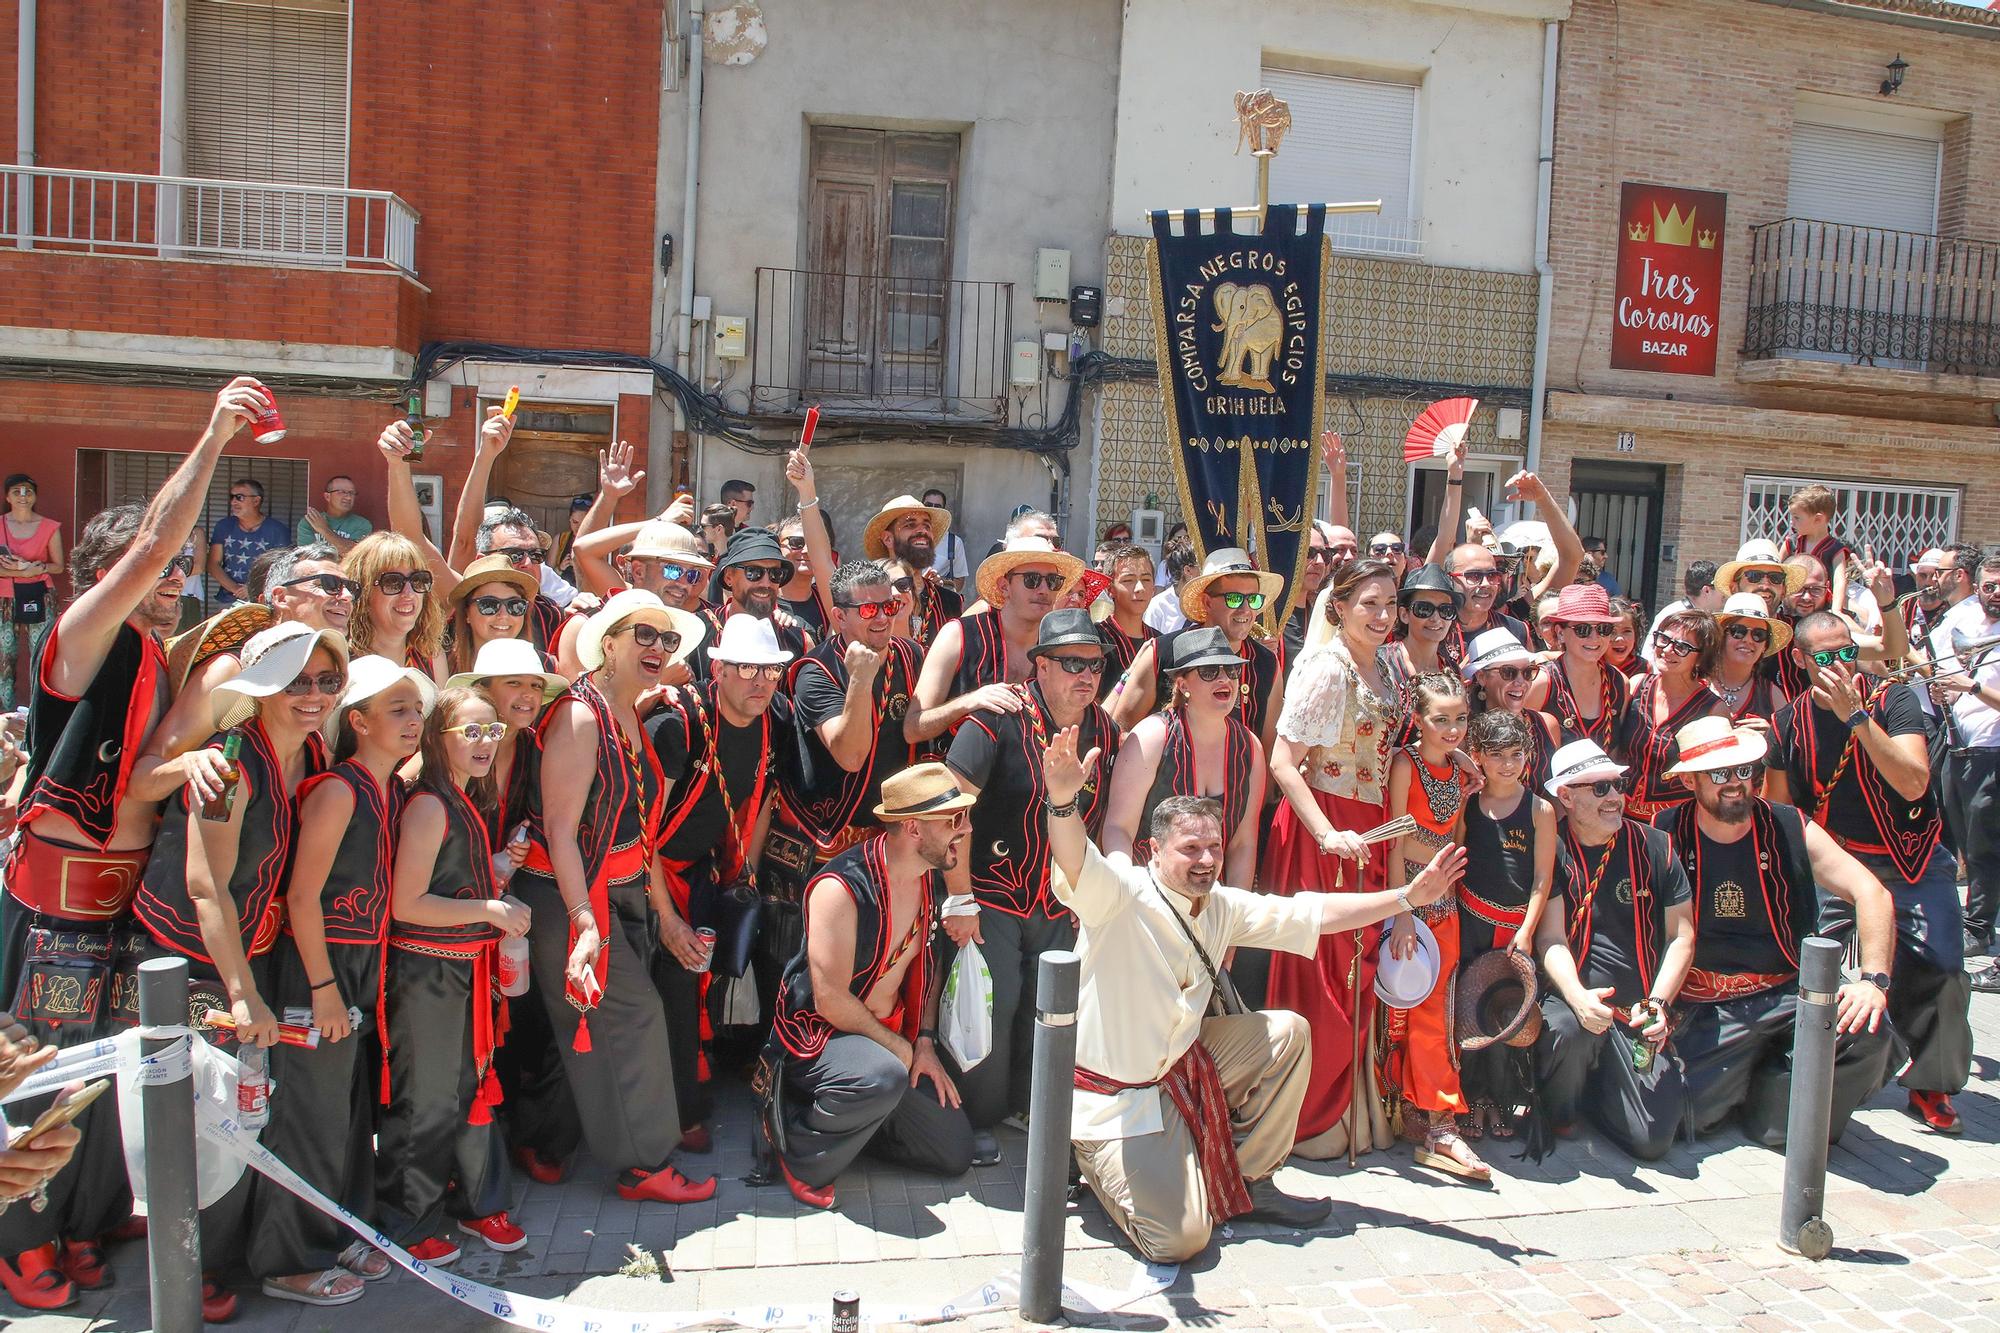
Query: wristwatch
column 1857, row 719
column 1880, row 980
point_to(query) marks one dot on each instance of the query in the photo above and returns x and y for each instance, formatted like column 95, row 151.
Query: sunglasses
column 752, row 670
column 795, row 543
column 779, row 575
column 1319, row 553
column 182, row 564
column 903, row 585
column 1212, row 671
column 1477, row 576
column 478, row 731
column 1385, row 548
column 1667, row 643
column 1740, row 773
column 1032, row 579
column 1589, row 630
column 526, row 555
column 681, row 573
column 1430, row 610
column 333, row 585
column 395, row 582
column 1236, row 601
column 871, row 610
column 1826, row 657
column 330, row 683
column 1603, row 787
column 493, row 606
column 1754, row 633
column 233, row 499
column 1514, row 673
column 1761, row 576
column 1086, row 666
column 646, row 636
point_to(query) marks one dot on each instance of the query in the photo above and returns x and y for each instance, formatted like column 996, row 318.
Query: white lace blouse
column 1349, row 727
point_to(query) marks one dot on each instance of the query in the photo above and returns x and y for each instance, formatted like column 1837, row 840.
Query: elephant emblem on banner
column 1247, row 317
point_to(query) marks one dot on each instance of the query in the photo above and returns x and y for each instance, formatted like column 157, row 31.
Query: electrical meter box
column 1148, row 530
column 1051, row 275
column 732, row 333
column 1024, row 368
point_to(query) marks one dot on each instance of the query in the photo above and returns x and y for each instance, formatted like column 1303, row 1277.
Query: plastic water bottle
column 511, row 968
column 253, row 1086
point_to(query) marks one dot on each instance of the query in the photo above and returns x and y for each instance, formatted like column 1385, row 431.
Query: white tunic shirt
column 1978, row 722
column 1144, row 991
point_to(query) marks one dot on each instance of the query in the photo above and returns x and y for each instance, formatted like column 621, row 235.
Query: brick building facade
column 1853, row 348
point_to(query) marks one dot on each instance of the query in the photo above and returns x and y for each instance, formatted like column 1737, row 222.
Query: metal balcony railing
column 887, row 344
column 1901, row 299
column 186, row 217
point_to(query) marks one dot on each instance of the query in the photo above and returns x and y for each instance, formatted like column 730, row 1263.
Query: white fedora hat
column 637, row 604
column 1716, row 742
column 1405, row 983
column 1580, row 761
column 1495, row 648
column 748, row 641
column 662, row 540
column 1224, row 562
column 372, row 674
column 500, row 658
column 272, row 659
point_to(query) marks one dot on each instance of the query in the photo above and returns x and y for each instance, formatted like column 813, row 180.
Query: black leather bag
column 734, row 914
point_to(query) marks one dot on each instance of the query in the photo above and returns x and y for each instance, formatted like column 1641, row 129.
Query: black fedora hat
column 1206, row 646
column 1066, row 628
column 1429, row 578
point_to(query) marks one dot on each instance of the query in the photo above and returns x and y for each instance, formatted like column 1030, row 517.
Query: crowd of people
column 543, row 838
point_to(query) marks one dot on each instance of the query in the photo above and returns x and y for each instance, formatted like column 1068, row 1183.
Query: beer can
column 267, row 427
column 707, row 937
column 846, row 1312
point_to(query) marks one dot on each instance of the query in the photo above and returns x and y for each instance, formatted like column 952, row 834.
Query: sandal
column 1445, row 1151
column 1501, row 1121
column 365, row 1262
column 1472, row 1125
column 336, row 1286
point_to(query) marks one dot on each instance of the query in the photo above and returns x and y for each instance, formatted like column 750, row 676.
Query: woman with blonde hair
column 397, row 614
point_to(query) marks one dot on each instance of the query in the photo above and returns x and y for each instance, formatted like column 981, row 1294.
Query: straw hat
column 1580, row 761
column 661, row 540
column 922, row 791
column 223, row 632
column 995, row 568
column 1495, row 648
column 875, row 537
column 272, row 659
column 500, row 658
column 494, row 568
column 1759, row 553
column 748, row 641
column 1494, row 1001
column 1749, row 606
column 1405, row 983
column 1716, row 742
column 1222, row 563
column 637, row 604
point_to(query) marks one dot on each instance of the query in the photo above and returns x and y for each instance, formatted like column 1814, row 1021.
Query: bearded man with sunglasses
column 976, row 659
column 1615, row 957
column 1013, row 914
column 100, row 690
column 725, row 743
column 753, row 568
column 1855, row 758
column 1759, row 870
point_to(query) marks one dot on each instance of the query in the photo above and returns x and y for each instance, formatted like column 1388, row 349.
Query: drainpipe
column 690, row 190
column 24, row 126
column 1545, row 274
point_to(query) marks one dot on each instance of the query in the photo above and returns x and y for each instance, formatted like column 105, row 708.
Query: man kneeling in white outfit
column 1170, row 1170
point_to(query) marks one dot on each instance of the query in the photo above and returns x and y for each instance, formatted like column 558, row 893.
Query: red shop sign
column 1667, row 315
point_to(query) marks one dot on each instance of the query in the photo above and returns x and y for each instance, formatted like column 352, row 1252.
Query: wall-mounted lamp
column 1895, row 79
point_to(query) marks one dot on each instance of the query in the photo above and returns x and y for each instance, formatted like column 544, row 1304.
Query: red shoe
column 35, row 1281
column 666, row 1185
column 538, row 1168
column 218, row 1303
column 132, row 1228
column 497, row 1230
column 821, row 1197
column 697, row 1139
column 1936, row 1111
column 436, row 1251
column 82, row 1262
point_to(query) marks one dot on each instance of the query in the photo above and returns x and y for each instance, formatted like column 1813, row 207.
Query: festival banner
column 1237, row 331
column 1668, row 315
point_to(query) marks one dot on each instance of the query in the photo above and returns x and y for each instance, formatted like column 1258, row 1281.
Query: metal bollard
column 1801, row 1229
column 1048, row 1136
column 173, row 1241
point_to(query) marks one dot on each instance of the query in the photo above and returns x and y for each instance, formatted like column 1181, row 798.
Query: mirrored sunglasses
column 1826, row 657
column 871, row 610
column 1740, row 773
column 479, row 731
column 752, row 670
column 1236, row 601
column 493, row 606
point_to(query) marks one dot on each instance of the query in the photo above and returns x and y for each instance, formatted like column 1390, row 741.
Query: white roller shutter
column 1350, row 139
column 1863, row 178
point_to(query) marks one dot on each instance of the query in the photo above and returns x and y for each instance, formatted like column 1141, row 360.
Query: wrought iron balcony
column 186, row 217
column 1895, row 299
column 883, row 344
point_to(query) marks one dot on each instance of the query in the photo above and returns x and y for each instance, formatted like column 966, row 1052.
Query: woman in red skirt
column 1331, row 760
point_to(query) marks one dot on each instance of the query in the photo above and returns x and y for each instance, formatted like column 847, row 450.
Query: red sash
column 1705, row 987
column 1194, row 1085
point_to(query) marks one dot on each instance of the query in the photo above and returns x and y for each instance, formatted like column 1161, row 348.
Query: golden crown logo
column 1673, row 229
column 1705, row 240
column 1637, row 231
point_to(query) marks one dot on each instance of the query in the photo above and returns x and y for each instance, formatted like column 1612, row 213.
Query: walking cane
column 1354, row 1061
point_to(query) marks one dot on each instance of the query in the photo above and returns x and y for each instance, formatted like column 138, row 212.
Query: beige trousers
column 1152, row 1186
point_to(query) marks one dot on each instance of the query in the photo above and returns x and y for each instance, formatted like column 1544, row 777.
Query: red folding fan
column 1437, row 432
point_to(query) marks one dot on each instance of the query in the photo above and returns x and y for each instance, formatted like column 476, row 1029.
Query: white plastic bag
column 740, row 1005
column 213, row 1084
column 965, row 1021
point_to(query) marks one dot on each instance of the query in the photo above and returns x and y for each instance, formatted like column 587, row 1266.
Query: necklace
column 1442, row 794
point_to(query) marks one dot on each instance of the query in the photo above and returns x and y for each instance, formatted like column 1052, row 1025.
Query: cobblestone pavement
column 1586, row 1239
